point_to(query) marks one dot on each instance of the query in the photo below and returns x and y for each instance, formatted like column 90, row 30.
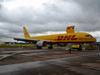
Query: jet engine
column 41, row 43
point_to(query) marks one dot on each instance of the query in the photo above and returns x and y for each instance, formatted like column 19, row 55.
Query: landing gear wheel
column 50, row 47
column 38, row 47
column 80, row 48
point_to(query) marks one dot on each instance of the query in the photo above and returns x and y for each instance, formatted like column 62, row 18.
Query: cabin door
column 80, row 36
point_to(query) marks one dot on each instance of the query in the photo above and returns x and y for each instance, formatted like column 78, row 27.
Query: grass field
column 17, row 45
column 22, row 45
column 26, row 45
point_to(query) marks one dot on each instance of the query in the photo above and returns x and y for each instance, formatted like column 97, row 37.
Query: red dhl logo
column 70, row 27
column 67, row 37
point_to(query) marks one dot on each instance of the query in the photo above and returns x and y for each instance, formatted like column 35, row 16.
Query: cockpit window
column 91, row 36
column 88, row 36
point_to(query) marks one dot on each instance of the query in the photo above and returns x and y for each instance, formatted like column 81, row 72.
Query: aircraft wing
column 30, row 40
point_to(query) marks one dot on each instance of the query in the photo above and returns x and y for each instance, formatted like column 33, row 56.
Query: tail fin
column 70, row 29
column 26, row 35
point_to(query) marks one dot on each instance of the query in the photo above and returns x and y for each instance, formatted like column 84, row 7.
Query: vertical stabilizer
column 26, row 35
column 70, row 29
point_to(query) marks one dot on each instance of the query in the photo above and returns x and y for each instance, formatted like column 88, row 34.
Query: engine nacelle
column 41, row 43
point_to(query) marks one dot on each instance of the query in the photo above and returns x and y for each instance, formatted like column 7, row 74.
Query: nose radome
column 95, row 39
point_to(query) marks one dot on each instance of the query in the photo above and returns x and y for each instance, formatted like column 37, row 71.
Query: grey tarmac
column 74, row 64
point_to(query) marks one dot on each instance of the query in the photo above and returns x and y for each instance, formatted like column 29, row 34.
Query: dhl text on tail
column 69, row 37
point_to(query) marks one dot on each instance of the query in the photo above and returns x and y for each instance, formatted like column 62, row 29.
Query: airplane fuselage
column 78, row 37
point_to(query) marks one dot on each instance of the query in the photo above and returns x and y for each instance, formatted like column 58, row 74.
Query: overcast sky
column 43, row 17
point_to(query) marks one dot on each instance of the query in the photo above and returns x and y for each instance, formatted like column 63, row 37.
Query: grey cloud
column 89, row 19
column 53, row 17
column 6, row 0
column 6, row 33
column 22, row 15
column 89, row 5
column 0, row 6
column 11, row 28
column 2, row 0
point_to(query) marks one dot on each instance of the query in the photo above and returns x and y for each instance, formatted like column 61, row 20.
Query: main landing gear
column 38, row 47
column 80, row 48
column 50, row 47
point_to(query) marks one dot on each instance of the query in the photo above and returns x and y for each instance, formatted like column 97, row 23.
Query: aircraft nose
column 95, row 39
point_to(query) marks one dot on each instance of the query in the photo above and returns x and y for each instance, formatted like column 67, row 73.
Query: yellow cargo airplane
column 61, row 39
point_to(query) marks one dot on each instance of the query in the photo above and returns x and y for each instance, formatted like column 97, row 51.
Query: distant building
column 1, row 42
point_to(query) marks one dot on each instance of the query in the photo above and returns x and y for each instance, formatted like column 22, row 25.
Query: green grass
column 3, row 46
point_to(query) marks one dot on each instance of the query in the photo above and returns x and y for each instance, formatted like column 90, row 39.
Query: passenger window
column 86, row 35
